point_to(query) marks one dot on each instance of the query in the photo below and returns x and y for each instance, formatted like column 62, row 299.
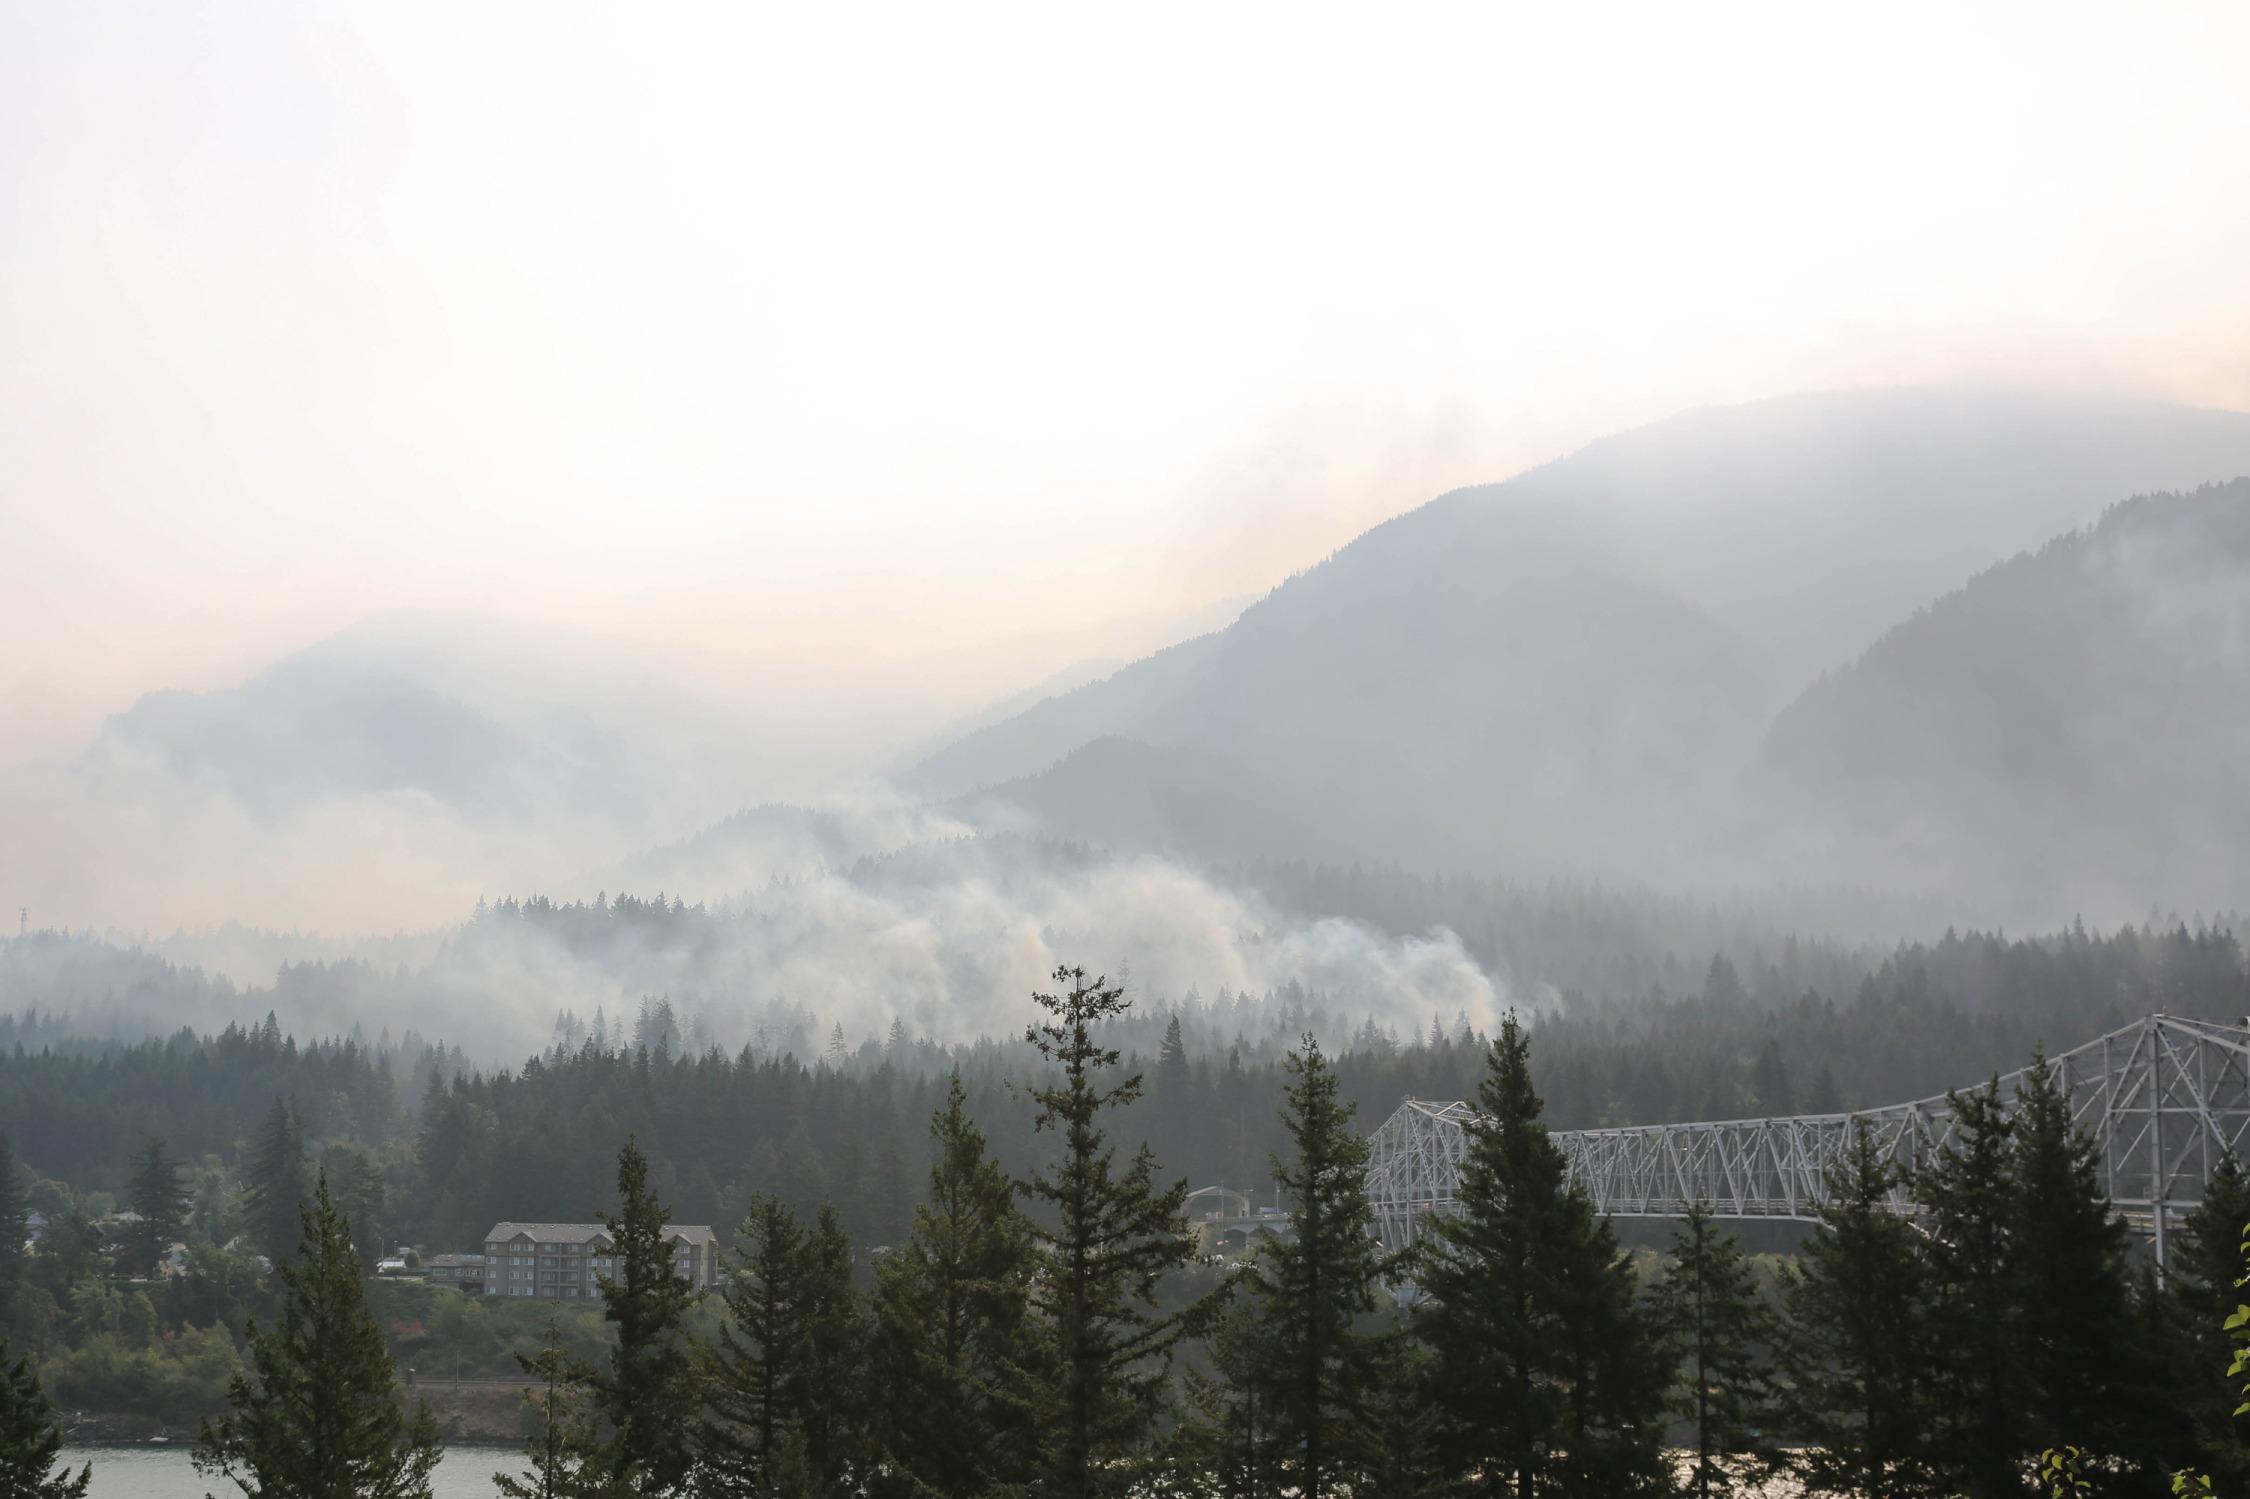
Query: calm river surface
column 166, row 1473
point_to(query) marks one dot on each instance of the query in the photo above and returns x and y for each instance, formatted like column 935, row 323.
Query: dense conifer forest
column 1037, row 1318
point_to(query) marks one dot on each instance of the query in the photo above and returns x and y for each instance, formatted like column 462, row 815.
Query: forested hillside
column 1568, row 672
column 2076, row 716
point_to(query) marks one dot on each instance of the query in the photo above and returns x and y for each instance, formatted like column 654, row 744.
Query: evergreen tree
column 1708, row 1310
column 71, row 1245
column 830, row 1409
column 953, row 1346
column 158, row 1193
column 2201, row 1288
column 1227, row 1445
column 1548, row 1380
column 1858, row 1342
column 1174, row 1127
column 358, row 1184
column 1975, row 1294
column 30, row 1440
column 564, row 1441
column 756, row 1369
column 14, row 1227
column 1114, row 1237
column 647, row 1396
column 2083, row 1368
column 1397, row 1440
column 319, row 1413
column 1309, row 1289
column 274, row 1199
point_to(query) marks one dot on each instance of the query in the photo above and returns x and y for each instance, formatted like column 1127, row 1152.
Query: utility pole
column 23, row 920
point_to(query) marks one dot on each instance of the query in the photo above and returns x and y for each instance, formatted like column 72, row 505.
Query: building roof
column 586, row 1233
column 453, row 1261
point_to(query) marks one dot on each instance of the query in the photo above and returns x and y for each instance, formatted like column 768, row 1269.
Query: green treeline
column 449, row 1150
column 1052, row 1330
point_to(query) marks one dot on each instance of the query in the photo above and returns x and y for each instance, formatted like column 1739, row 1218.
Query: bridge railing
column 2165, row 1100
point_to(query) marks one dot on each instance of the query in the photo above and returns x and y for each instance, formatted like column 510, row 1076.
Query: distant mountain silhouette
column 460, row 715
column 1568, row 672
column 311, row 728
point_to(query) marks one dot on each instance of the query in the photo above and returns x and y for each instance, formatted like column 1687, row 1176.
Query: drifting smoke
column 949, row 940
column 952, row 949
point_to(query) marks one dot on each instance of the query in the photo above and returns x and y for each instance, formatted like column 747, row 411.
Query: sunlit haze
column 929, row 350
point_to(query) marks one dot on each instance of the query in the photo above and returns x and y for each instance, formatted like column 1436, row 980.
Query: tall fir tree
column 274, row 1199
column 158, row 1194
column 647, row 1396
column 1717, row 1327
column 955, row 1358
column 318, row 1414
column 15, row 1213
column 357, row 1182
column 1548, row 1379
column 1397, row 1439
column 831, row 1410
column 756, row 1367
column 1114, row 1236
column 30, row 1437
column 1857, row 1341
column 1225, row 1444
column 2086, row 1370
column 1309, row 1290
column 1975, row 1293
column 1173, row 1123
column 2203, row 1291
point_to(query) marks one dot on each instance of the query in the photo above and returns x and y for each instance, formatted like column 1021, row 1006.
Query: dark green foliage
column 358, row 1184
column 275, row 1173
column 1227, row 1443
column 158, row 1192
column 71, row 1247
column 2084, row 1363
column 1548, row 1380
column 30, row 1439
column 1715, row 1324
column 955, row 1358
column 14, row 1214
column 831, row 1408
column 319, row 1414
column 1975, row 1296
column 1397, row 1441
column 1859, row 1341
column 1638, row 1043
column 1112, row 1238
column 647, row 1397
column 1308, row 1290
column 2202, row 1293
column 753, row 1386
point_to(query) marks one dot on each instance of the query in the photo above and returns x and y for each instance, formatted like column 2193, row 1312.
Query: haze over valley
column 1852, row 667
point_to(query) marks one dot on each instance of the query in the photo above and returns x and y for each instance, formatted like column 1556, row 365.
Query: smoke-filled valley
column 1769, row 666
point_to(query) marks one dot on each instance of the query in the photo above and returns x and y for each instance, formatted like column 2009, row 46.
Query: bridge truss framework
column 2166, row 1099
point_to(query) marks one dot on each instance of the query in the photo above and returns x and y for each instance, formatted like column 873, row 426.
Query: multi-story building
column 463, row 1270
column 569, row 1261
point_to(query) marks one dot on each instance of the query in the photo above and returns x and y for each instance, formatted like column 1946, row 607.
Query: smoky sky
column 906, row 358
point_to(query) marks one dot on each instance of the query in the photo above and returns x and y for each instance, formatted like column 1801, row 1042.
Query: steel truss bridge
column 2165, row 1099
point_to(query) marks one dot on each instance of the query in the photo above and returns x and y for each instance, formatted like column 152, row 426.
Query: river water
column 166, row 1473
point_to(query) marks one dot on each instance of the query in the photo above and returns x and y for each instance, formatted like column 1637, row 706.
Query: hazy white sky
column 853, row 336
